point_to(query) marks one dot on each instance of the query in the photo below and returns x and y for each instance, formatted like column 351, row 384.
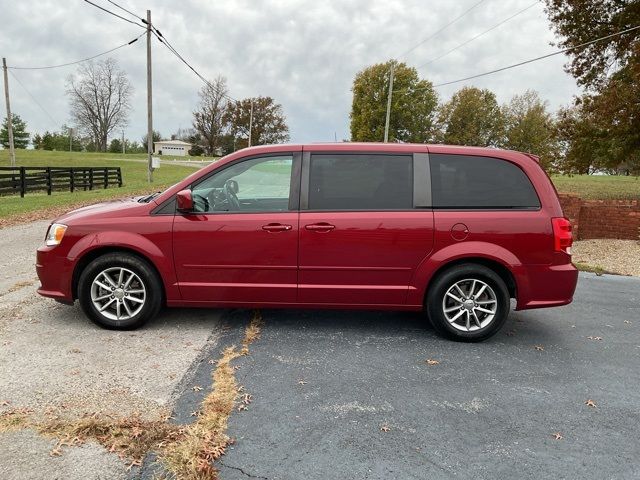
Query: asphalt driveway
column 344, row 395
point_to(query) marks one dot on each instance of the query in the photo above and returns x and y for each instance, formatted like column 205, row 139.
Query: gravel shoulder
column 615, row 256
column 53, row 359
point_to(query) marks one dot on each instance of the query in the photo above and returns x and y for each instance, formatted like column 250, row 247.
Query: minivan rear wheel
column 119, row 291
column 468, row 302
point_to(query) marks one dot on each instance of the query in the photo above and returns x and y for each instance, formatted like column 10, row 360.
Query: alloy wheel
column 118, row 293
column 470, row 305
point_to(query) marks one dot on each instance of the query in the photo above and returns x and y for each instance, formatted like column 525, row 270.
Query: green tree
column 20, row 134
column 269, row 123
column 529, row 127
column 156, row 137
column 413, row 105
column 609, row 71
column 115, row 146
column 472, row 117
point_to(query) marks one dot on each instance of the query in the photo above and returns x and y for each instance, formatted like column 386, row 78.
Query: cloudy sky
column 303, row 53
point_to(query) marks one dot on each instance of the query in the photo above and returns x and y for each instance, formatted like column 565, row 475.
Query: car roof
column 363, row 147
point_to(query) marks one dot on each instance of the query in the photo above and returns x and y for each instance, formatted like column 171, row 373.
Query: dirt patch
column 606, row 255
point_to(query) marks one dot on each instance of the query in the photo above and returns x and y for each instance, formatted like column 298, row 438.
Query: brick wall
column 602, row 218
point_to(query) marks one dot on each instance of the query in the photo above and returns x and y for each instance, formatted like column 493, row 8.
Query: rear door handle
column 276, row 227
column 320, row 227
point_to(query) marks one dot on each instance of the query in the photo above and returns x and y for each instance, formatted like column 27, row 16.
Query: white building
column 171, row 147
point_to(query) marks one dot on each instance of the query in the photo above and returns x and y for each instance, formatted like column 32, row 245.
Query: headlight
column 55, row 234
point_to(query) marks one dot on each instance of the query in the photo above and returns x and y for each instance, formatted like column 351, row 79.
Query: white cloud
column 303, row 53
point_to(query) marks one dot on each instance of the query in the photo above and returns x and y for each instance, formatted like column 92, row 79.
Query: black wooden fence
column 29, row 179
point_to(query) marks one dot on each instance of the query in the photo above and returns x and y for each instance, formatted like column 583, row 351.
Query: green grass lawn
column 134, row 178
column 599, row 187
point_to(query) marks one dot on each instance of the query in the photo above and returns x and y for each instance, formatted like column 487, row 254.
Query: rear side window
column 462, row 181
column 361, row 182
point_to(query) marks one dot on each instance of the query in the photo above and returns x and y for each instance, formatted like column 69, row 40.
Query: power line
column 78, row 61
column 162, row 39
column 128, row 11
column 479, row 35
column 115, row 14
column 525, row 62
column 34, row 99
column 441, row 29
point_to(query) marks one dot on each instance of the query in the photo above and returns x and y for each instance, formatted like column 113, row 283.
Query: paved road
column 325, row 385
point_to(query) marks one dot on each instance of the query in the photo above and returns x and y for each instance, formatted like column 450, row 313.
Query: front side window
column 360, row 182
column 469, row 182
column 256, row 185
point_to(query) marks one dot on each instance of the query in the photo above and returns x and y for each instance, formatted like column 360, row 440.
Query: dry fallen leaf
column 539, row 348
column 591, row 337
column 385, row 428
column 590, row 403
column 431, row 361
column 557, row 436
column 56, row 452
column 135, row 463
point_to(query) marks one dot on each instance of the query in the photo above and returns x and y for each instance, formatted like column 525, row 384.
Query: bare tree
column 99, row 96
column 209, row 119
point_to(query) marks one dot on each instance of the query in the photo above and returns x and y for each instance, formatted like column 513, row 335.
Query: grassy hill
column 134, row 176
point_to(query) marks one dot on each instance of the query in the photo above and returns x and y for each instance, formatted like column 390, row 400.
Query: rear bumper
column 55, row 272
column 542, row 286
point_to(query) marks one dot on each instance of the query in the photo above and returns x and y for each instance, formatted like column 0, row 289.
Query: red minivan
column 456, row 231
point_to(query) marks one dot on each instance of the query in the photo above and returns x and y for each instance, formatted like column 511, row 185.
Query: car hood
column 114, row 208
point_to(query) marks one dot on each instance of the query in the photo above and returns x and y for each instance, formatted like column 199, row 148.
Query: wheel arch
column 502, row 261
column 97, row 252
column 502, row 271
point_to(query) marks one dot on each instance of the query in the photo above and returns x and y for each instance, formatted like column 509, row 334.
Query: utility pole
column 12, row 150
column 123, row 142
column 149, row 109
column 250, row 122
column 386, row 124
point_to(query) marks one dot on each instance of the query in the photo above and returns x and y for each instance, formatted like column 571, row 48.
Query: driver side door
column 240, row 246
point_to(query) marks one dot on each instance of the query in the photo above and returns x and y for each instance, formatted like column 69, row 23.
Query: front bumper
column 55, row 272
column 541, row 286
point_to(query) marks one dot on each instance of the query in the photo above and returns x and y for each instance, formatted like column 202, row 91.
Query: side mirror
column 184, row 201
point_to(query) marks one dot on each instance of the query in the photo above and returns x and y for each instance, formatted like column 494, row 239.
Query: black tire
column 446, row 280
column 145, row 273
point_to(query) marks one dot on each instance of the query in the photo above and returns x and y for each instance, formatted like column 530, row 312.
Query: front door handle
column 320, row 227
column 276, row 227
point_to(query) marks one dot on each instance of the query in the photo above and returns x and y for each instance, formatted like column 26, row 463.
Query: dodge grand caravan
column 454, row 231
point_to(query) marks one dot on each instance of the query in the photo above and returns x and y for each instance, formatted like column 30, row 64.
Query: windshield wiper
column 148, row 198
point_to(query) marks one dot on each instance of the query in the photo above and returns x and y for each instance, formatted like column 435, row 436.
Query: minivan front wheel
column 468, row 302
column 119, row 291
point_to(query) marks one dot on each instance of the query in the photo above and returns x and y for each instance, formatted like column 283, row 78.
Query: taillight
column 562, row 236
